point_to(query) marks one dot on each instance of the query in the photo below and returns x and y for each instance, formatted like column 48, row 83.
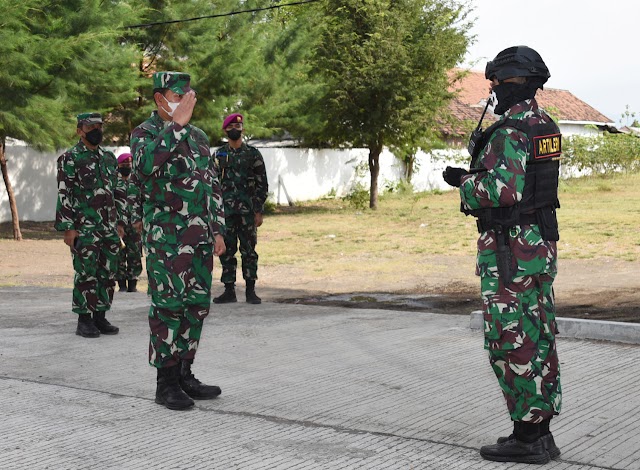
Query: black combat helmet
column 517, row 61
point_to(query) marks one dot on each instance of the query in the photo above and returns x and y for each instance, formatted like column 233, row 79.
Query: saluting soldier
column 91, row 216
column 512, row 189
column 182, row 223
column 243, row 178
column 130, row 261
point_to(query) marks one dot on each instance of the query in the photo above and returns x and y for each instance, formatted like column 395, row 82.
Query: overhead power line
column 231, row 13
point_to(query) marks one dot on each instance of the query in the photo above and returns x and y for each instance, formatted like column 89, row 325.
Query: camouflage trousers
column 94, row 263
column 180, row 288
column 240, row 228
column 130, row 259
column 519, row 332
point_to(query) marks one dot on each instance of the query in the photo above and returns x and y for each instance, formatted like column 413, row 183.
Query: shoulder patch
column 547, row 146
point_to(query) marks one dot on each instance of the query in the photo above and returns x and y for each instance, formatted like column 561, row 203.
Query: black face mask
column 94, row 137
column 234, row 134
column 509, row 94
column 125, row 170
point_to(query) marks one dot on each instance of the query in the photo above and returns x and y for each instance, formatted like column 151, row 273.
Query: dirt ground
column 602, row 289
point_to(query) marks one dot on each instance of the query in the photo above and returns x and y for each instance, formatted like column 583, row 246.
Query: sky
column 592, row 48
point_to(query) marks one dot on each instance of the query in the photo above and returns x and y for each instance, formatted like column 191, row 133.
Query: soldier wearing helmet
column 512, row 190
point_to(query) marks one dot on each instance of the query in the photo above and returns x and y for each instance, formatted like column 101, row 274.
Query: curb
column 620, row 332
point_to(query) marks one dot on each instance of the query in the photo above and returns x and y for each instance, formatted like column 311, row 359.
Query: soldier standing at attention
column 512, row 189
column 243, row 178
column 89, row 213
column 182, row 218
column 130, row 261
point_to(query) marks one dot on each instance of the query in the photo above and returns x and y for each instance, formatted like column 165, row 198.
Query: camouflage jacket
column 128, row 189
column 243, row 178
column 505, row 157
column 182, row 202
column 87, row 200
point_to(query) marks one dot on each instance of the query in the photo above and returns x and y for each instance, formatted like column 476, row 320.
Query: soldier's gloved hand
column 453, row 175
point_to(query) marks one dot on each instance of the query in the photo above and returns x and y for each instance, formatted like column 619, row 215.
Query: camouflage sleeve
column 134, row 199
column 65, row 206
column 216, row 203
column 120, row 198
column 216, row 163
column 502, row 184
column 151, row 152
column 262, row 185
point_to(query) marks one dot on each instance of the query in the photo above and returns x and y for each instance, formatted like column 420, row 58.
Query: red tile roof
column 473, row 89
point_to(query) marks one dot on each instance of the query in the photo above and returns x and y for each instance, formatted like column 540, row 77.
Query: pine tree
column 59, row 59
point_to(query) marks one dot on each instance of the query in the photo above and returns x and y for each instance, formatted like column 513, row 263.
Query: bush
column 358, row 197
column 603, row 154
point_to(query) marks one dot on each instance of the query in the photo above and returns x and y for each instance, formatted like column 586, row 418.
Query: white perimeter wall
column 306, row 174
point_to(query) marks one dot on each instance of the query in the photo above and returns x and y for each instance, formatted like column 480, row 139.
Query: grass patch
column 598, row 218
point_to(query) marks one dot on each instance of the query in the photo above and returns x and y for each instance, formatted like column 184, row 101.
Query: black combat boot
column 133, row 283
column 523, row 446
column 193, row 387
column 228, row 296
column 546, row 437
column 252, row 298
column 103, row 324
column 86, row 327
column 168, row 391
column 122, row 285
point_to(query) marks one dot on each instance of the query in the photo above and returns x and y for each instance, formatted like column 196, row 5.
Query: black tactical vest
column 540, row 195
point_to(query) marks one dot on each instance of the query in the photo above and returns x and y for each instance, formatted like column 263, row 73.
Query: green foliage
column 269, row 206
column 61, row 59
column 384, row 64
column 603, row 154
column 358, row 197
column 398, row 187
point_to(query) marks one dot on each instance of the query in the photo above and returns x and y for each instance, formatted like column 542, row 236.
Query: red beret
column 230, row 119
column 124, row 156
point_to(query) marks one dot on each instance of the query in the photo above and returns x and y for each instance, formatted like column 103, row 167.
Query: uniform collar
column 243, row 146
column 83, row 148
column 521, row 107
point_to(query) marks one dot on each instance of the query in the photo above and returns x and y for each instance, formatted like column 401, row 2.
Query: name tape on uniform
column 546, row 146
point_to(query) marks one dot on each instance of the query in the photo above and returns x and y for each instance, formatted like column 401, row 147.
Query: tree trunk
column 374, row 170
column 17, row 235
column 410, row 163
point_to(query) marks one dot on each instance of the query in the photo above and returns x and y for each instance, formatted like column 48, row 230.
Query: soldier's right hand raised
column 183, row 112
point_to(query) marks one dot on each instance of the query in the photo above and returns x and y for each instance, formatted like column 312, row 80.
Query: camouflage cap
column 177, row 82
column 89, row 118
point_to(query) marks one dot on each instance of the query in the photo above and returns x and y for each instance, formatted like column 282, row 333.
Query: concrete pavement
column 302, row 388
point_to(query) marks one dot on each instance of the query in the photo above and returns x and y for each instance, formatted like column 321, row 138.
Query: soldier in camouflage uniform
column 243, row 178
column 183, row 218
column 130, row 260
column 91, row 216
column 512, row 190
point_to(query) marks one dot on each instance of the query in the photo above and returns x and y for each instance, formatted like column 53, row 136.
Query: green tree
column 604, row 153
column 59, row 59
column 384, row 67
column 252, row 63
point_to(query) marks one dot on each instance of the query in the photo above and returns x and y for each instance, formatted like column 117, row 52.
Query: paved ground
column 303, row 388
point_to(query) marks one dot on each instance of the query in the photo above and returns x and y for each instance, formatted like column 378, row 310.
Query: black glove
column 453, row 175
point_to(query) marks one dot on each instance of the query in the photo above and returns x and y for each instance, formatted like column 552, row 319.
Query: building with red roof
column 574, row 115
